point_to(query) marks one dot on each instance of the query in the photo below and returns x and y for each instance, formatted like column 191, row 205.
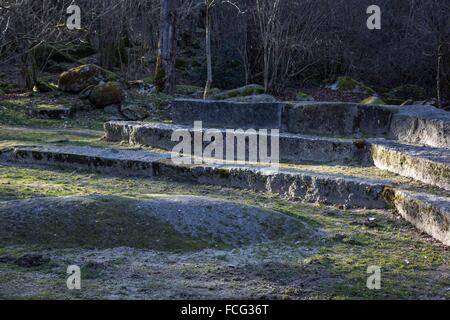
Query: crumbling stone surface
column 426, row 164
column 227, row 114
column 422, row 125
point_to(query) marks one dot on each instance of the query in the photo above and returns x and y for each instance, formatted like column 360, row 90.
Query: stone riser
column 412, row 124
column 295, row 185
column 298, row 186
column 429, row 213
column 414, row 162
column 293, row 148
column 399, row 159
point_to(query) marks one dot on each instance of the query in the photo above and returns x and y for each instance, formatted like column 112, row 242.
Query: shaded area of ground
column 414, row 266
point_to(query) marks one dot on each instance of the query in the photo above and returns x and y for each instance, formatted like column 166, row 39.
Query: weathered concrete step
column 293, row 147
column 426, row 164
column 411, row 124
column 422, row 125
column 99, row 160
column 428, row 213
column 338, row 118
column 227, row 114
column 293, row 184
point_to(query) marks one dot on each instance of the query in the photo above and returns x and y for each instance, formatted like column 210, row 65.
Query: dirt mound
column 181, row 223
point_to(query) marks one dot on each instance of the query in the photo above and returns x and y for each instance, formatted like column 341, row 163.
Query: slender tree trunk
column 165, row 65
column 438, row 74
column 209, row 78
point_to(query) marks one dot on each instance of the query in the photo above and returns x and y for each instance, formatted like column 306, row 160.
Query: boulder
column 43, row 86
column 350, row 84
column 373, row 100
column 141, row 87
column 106, row 94
column 301, row 96
column 135, row 112
column 112, row 110
column 249, row 90
column 408, row 91
column 77, row 79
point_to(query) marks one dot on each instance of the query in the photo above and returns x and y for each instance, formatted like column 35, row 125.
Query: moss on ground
column 412, row 265
column 16, row 112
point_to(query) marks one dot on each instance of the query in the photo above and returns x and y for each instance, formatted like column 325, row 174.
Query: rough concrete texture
column 426, row 164
column 428, row 213
column 294, row 185
column 338, row 118
column 100, row 160
column 422, row 125
column 293, row 147
column 226, row 114
column 201, row 221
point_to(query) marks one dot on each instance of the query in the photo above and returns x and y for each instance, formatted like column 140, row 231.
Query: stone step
column 422, row 125
column 338, row 118
column 115, row 161
column 227, row 114
column 293, row 147
column 427, row 212
column 294, row 184
column 416, row 124
column 426, row 164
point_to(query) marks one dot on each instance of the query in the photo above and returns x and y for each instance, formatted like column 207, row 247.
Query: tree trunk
column 165, row 65
column 209, row 78
column 438, row 74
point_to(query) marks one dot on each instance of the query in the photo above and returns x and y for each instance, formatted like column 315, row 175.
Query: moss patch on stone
column 350, row 84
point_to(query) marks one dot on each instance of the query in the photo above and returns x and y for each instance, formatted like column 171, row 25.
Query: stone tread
column 427, row 164
column 429, row 213
column 294, row 184
column 293, row 147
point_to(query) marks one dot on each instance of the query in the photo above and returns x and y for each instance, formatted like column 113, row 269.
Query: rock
column 190, row 91
column 43, row 86
column 251, row 89
column 373, row 100
column 82, row 105
column 112, row 109
column 7, row 87
column 106, row 94
column 77, row 79
column 408, row 102
column 32, row 260
column 408, row 91
column 141, row 87
column 254, row 98
column 56, row 112
column 303, row 97
column 7, row 259
column 85, row 94
column 135, row 112
column 349, row 84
